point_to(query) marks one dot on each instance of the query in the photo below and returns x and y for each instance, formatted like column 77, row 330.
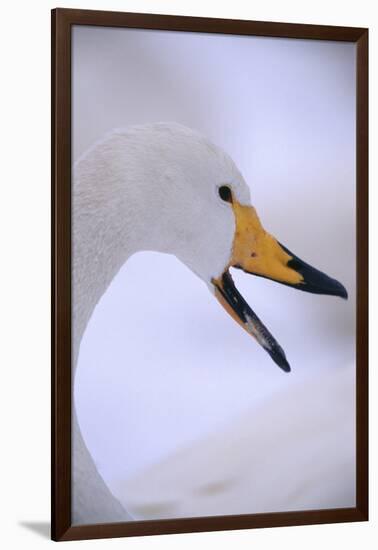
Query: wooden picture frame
column 62, row 22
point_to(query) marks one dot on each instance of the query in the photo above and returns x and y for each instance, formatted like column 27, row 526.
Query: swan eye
column 225, row 193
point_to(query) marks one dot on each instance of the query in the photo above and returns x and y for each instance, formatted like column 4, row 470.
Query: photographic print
column 212, row 240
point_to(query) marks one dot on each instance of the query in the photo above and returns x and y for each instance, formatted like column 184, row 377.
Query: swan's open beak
column 257, row 252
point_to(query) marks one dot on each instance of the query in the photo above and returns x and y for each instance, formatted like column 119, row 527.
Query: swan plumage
column 159, row 187
column 137, row 189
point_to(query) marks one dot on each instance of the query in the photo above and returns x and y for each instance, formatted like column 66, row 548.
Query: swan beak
column 257, row 252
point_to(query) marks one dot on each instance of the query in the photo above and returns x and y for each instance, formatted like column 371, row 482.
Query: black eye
column 225, row 193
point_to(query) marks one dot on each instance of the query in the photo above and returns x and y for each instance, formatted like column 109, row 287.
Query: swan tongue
column 234, row 303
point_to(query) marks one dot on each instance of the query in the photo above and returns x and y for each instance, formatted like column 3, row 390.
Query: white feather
column 152, row 187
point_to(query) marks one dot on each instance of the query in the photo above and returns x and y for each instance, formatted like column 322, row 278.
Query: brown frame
column 62, row 20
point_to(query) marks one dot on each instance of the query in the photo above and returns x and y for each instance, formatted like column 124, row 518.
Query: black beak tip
column 314, row 281
column 343, row 292
column 284, row 365
column 337, row 289
column 279, row 357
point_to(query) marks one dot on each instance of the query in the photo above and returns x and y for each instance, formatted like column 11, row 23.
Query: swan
column 166, row 188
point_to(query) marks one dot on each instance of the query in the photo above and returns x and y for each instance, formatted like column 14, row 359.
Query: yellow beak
column 257, row 252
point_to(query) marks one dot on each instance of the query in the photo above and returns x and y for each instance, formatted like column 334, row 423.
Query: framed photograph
column 204, row 171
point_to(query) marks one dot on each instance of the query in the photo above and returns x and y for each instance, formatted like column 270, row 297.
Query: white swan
column 164, row 187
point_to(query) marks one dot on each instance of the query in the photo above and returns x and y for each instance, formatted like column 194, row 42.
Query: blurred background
column 187, row 415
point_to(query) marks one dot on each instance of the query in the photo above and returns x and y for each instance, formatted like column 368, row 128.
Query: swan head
column 208, row 221
column 195, row 204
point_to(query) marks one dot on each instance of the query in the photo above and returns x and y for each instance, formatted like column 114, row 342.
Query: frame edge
column 362, row 313
column 61, row 276
column 61, row 528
